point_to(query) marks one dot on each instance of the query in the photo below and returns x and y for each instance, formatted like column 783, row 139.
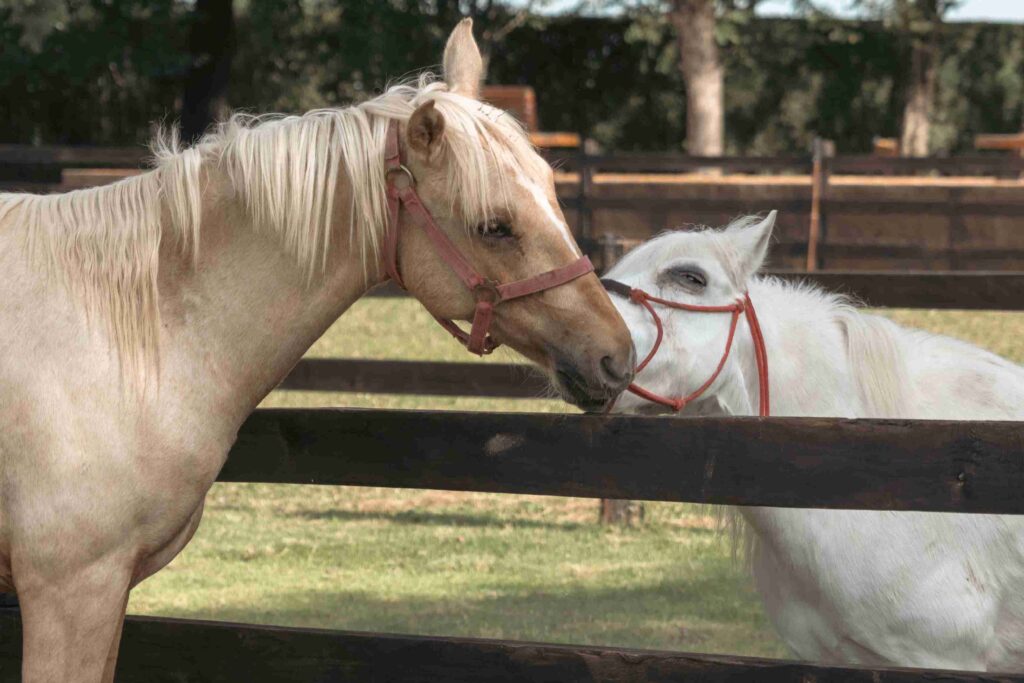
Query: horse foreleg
column 72, row 627
column 115, row 645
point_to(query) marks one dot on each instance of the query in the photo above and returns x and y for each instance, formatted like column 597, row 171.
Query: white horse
column 140, row 323
column 856, row 587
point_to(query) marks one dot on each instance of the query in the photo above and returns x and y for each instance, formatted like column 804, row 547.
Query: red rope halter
column 488, row 293
column 744, row 306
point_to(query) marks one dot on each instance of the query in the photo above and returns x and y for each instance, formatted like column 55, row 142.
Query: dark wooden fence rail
column 928, row 465
column 981, row 165
column 157, row 650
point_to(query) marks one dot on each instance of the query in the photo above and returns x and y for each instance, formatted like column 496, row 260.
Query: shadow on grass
column 425, row 517
column 706, row 614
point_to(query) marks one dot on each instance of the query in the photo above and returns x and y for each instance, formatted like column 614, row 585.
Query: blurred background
column 888, row 133
column 768, row 75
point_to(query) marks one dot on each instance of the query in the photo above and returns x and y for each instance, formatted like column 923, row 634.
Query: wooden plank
column 797, row 206
column 554, row 140
column 930, row 208
column 1009, row 142
column 646, row 162
column 938, row 255
column 963, row 165
column 723, row 206
column 963, row 290
column 431, row 378
column 780, row 462
column 158, row 650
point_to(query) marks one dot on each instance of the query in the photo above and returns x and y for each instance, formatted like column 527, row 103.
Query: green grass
column 524, row 567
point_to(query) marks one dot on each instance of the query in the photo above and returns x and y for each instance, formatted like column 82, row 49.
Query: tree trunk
column 621, row 512
column 694, row 22
column 917, row 111
column 211, row 45
column 924, row 65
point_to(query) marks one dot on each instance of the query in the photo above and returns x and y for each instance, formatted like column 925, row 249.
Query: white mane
column 105, row 241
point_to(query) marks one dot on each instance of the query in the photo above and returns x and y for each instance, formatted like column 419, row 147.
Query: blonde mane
column 105, row 241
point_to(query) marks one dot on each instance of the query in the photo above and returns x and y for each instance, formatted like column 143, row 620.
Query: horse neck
column 808, row 366
column 238, row 320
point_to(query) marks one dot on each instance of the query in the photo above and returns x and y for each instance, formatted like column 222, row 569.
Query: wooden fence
column 967, row 215
column 793, row 462
column 964, row 467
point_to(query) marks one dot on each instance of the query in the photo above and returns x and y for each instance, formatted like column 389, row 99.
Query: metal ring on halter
column 401, row 168
column 487, row 291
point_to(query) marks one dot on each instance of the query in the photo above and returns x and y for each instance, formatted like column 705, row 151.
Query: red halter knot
column 637, row 296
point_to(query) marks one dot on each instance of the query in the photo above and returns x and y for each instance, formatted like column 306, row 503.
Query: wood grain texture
column 155, row 650
column 780, row 462
column 432, row 378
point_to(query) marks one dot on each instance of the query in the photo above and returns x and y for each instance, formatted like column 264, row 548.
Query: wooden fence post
column 585, row 217
column 614, row 511
column 822, row 150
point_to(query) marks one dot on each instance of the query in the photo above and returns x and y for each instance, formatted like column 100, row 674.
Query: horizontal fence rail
column 976, row 291
column 851, row 164
column 929, row 465
column 155, row 650
column 433, row 378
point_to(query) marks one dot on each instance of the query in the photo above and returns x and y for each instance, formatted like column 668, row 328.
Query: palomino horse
column 143, row 321
column 874, row 588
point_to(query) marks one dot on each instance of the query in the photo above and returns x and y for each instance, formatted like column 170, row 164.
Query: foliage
column 89, row 71
column 100, row 72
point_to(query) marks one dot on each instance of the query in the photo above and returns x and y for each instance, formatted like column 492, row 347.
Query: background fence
column 873, row 213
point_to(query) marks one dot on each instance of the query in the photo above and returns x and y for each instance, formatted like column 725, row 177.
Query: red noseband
column 744, row 306
column 487, row 293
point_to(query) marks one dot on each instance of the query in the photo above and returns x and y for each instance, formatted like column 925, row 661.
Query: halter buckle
column 487, row 292
column 400, row 177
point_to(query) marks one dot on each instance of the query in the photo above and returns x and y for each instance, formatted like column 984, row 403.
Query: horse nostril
column 617, row 372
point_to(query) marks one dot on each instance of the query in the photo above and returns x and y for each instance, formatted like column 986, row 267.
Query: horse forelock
column 105, row 241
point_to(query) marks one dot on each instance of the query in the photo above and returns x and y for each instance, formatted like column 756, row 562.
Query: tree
column 698, row 32
column 918, row 25
column 921, row 22
column 703, row 75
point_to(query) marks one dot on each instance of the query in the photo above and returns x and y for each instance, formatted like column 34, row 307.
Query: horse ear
column 425, row 130
column 463, row 65
column 752, row 245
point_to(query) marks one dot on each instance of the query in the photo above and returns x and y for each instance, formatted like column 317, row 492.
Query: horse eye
column 494, row 229
column 689, row 277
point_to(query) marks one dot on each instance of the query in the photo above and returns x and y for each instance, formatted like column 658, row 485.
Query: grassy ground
column 524, row 567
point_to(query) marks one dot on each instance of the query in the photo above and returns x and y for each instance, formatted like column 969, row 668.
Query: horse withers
column 143, row 321
column 933, row 590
